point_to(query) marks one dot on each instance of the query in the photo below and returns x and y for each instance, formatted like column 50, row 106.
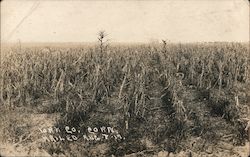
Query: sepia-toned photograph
column 124, row 78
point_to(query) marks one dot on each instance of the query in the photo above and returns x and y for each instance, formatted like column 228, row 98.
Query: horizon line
column 119, row 42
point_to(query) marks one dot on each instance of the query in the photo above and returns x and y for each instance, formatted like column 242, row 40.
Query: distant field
column 159, row 96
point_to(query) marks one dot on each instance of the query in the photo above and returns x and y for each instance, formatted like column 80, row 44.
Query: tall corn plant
column 99, row 88
column 102, row 45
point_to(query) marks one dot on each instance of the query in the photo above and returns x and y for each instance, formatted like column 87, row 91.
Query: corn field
column 135, row 81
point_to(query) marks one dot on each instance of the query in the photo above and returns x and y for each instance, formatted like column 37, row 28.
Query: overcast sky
column 125, row 21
